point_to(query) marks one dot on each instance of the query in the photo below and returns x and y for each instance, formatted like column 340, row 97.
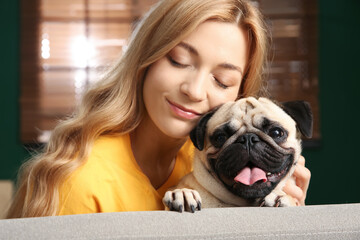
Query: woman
column 128, row 140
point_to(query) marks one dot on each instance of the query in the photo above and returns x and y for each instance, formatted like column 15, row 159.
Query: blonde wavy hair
column 115, row 105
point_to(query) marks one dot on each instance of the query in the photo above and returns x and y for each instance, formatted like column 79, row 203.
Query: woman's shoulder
column 112, row 144
column 109, row 152
column 102, row 173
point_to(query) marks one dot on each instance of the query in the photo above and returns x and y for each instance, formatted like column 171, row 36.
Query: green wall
column 335, row 166
column 12, row 152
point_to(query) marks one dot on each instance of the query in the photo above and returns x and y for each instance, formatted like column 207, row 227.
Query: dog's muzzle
column 251, row 167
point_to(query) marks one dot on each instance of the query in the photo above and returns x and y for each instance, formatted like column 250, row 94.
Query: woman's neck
column 154, row 152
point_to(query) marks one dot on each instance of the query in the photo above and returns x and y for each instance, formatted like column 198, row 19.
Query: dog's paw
column 182, row 199
column 275, row 200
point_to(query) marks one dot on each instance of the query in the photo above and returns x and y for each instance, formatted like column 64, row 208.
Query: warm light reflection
column 45, row 47
column 82, row 51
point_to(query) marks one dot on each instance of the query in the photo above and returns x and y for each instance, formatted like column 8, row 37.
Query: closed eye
column 220, row 84
column 175, row 63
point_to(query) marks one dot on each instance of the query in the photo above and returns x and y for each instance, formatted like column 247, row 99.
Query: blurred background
column 51, row 50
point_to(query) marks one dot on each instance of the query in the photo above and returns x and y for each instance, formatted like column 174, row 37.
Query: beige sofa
column 6, row 191
column 310, row 222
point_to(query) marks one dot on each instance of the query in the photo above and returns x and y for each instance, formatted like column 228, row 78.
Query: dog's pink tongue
column 249, row 176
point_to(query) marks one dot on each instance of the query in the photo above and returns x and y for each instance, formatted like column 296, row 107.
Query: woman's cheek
column 222, row 97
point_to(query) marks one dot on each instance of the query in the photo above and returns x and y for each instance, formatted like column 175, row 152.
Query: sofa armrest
column 310, row 222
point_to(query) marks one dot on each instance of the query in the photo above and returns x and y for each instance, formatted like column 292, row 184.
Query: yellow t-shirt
column 112, row 181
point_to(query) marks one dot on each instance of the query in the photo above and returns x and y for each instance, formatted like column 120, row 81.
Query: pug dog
column 245, row 152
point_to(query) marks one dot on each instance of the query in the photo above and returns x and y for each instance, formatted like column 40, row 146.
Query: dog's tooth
column 268, row 174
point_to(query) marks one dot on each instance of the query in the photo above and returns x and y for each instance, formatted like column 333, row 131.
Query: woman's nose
column 195, row 87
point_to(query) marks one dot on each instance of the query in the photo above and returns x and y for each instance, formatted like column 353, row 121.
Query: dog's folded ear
column 197, row 135
column 301, row 112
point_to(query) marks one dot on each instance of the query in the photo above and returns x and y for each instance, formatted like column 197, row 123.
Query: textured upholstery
column 310, row 222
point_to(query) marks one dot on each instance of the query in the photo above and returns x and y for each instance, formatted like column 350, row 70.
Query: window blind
column 293, row 68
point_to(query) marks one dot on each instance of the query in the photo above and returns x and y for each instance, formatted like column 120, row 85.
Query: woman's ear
column 301, row 112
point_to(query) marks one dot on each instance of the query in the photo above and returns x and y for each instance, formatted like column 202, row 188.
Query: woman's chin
column 177, row 129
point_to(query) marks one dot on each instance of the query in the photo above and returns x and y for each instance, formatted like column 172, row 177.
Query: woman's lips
column 183, row 112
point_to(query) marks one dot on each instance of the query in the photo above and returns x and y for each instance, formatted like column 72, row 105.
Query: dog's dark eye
column 276, row 133
column 218, row 139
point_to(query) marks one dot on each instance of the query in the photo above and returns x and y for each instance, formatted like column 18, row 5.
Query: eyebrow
column 192, row 50
column 230, row 66
column 189, row 48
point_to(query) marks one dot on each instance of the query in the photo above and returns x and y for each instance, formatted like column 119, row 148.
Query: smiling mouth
column 183, row 112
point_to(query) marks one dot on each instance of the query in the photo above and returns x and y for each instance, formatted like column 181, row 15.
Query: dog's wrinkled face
column 251, row 145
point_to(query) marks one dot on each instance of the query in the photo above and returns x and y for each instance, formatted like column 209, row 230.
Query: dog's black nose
column 248, row 140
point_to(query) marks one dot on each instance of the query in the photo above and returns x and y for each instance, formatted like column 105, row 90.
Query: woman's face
column 202, row 72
